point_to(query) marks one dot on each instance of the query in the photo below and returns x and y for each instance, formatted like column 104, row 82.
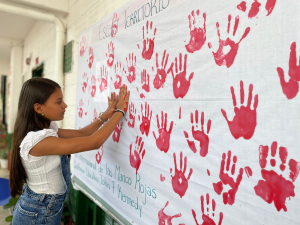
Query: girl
column 41, row 151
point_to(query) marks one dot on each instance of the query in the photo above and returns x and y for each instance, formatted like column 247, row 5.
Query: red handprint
column 91, row 57
column 110, row 55
column 95, row 115
column 104, row 75
column 148, row 43
column 179, row 181
column 114, row 25
column 164, row 219
column 291, row 88
column 163, row 141
column 275, row 188
column 198, row 135
column 161, row 75
column 132, row 113
column 85, row 82
column 198, row 34
column 206, row 219
column 138, row 154
column 180, row 84
column 131, row 64
column 226, row 179
column 81, row 104
column 244, row 121
column 119, row 73
column 228, row 59
column 99, row 155
column 117, row 133
column 82, row 46
column 145, row 80
column 93, row 81
column 146, row 119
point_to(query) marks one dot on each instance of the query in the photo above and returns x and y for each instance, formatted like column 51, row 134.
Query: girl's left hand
column 112, row 102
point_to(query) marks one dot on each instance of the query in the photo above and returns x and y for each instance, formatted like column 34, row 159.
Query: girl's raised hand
column 112, row 102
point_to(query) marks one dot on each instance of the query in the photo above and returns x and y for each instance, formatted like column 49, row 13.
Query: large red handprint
column 226, row 179
column 131, row 64
column 138, row 153
column 132, row 113
column 179, row 181
column 198, row 34
column 145, row 79
column 146, row 119
column 228, row 59
column 275, row 188
column 91, row 58
column 164, row 219
column 85, row 82
column 104, row 75
column 198, row 135
column 82, row 46
column 148, row 43
column 161, row 75
column 163, row 141
column 244, row 121
column 181, row 85
column 119, row 73
column 291, row 88
column 110, row 55
column 93, row 82
column 99, row 155
column 117, row 133
column 205, row 215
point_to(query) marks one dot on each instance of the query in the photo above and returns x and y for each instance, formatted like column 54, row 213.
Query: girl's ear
column 38, row 108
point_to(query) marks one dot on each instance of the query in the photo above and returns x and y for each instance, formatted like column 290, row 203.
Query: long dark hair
column 35, row 90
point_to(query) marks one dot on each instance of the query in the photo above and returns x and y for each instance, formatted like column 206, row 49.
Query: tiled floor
column 4, row 173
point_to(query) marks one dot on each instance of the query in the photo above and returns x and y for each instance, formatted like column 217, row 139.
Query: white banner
column 211, row 132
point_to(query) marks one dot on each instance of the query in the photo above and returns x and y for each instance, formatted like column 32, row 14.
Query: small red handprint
column 198, row 135
column 145, row 80
column 179, row 181
column 181, row 85
column 85, row 82
column 93, row 81
column 104, row 75
column 114, row 25
column 198, row 34
column 161, row 75
column 244, row 121
column 146, row 119
column 205, row 215
column 148, row 43
column 138, row 153
column 117, row 133
column 291, row 88
column 164, row 219
column 110, row 55
column 80, row 112
column 99, row 155
column 275, row 188
column 163, row 141
column 91, row 57
column 82, row 46
column 119, row 74
column 131, row 64
column 227, row 60
column 132, row 113
column 95, row 117
column 226, row 179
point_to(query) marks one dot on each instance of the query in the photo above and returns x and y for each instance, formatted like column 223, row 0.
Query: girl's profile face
column 54, row 107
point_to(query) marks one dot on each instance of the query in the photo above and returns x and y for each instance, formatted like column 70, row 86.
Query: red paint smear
column 254, row 9
column 273, row 149
column 138, row 153
column 142, row 96
column 263, row 154
column 283, row 156
column 163, row 140
column 242, row 6
column 117, row 133
column 85, row 113
column 244, row 121
column 270, row 6
column 295, row 169
column 99, row 156
column 145, row 79
column 180, row 112
column 161, row 75
column 190, row 143
column 148, row 43
column 197, row 34
column 208, row 172
column 146, row 118
column 179, row 181
column 248, row 171
column 164, row 219
column 162, row 178
column 80, row 113
column 91, row 58
column 209, row 44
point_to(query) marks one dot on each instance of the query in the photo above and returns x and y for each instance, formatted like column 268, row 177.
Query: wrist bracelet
column 100, row 114
column 119, row 110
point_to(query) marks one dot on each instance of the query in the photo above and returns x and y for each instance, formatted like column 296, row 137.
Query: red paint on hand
column 148, row 43
column 164, row 219
column 104, row 75
column 117, row 133
column 138, row 154
column 198, row 34
column 110, row 55
column 131, row 64
column 163, row 141
column 145, row 80
column 227, row 60
column 161, row 74
column 244, row 121
column 132, row 113
column 181, row 85
column 179, row 181
column 119, row 73
column 146, row 119
column 227, row 179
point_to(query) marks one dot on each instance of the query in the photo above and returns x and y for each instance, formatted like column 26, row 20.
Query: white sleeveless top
column 44, row 172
